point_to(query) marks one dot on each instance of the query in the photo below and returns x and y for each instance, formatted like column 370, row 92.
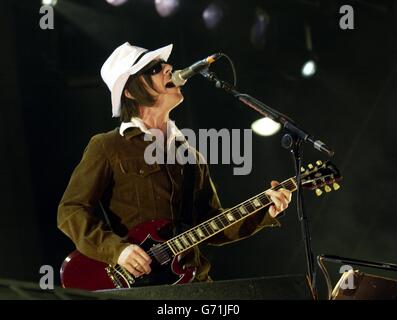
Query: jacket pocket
column 138, row 167
column 139, row 177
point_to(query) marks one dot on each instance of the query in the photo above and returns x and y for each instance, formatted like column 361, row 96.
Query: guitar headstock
column 320, row 177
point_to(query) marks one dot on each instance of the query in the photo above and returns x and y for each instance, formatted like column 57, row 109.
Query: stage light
column 259, row 28
column 309, row 68
column 212, row 15
column 299, row 60
column 116, row 2
column 166, row 8
column 49, row 2
column 265, row 127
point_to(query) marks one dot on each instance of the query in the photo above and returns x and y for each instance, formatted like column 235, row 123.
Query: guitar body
column 81, row 272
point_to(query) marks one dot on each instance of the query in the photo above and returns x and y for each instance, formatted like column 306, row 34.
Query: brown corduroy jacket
column 113, row 171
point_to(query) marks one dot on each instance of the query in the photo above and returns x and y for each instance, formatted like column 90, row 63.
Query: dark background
column 53, row 100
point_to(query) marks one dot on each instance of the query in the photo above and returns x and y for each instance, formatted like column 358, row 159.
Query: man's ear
column 128, row 94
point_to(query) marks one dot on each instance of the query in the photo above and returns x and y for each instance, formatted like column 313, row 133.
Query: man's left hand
column 281, row 198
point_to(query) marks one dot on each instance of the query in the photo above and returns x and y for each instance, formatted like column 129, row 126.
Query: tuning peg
column 319, row 163
column 327, row 189
column 318, row 192
column 303, row 169
column 310, row 166
column 336, row 186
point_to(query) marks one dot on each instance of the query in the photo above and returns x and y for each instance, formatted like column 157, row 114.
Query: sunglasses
column 154, row 68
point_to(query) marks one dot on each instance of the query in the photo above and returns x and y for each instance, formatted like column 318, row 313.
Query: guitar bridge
column 119, row 275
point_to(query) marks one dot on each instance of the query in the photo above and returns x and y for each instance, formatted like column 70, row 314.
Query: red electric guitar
column 79, row 271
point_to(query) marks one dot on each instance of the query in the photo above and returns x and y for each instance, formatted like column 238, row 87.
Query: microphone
column 179, row 77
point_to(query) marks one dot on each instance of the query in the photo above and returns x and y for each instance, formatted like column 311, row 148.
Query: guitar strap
column 184, row 219
column 112, row 221
column 105, row 215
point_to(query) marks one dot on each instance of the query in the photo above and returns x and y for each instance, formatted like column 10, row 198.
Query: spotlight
column 309, row 68
column 116, row 2
column 166, row 8
column 299, row 61
column 265, row 127
column 258, row 29
column 51, row 3
column 212, row 15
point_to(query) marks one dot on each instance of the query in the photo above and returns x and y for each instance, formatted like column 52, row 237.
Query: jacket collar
column 136, row 127
column 131, row 132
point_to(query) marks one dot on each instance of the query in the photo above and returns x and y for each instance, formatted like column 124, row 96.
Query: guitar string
column 163, row 248
column 234, row 211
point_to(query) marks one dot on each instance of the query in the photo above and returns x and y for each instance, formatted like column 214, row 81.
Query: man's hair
column 135, row 85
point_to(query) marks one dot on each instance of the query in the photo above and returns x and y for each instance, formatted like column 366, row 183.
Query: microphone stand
column 292, row 141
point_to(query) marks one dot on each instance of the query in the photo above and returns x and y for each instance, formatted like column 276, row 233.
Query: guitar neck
column 224, row 220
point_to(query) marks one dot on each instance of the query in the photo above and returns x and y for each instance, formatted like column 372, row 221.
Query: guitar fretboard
column 222, row 221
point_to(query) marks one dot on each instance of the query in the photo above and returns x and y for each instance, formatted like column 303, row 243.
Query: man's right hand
column 135, row 260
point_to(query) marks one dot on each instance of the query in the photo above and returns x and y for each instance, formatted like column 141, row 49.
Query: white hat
column 123, row 62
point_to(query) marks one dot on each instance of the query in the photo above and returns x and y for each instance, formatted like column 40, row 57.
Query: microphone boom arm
column 269, row 112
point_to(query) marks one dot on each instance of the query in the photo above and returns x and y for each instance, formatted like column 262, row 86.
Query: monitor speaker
column 356, row 285
column 274, row 288
column 293, row 287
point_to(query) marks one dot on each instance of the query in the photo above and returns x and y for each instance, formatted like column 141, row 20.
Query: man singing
column 113, row 172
